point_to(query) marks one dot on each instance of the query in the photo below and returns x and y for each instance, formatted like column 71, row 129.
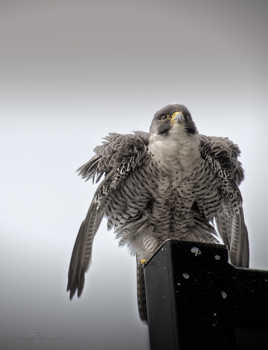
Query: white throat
column 176, row 151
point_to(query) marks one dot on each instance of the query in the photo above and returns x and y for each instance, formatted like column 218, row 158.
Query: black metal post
column 196, row 299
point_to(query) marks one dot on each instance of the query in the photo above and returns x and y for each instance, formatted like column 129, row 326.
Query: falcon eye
column 162, row 117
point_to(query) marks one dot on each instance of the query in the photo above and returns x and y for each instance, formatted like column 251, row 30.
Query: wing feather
column 82, row 251
column 224, row 222
column 230, row 217
column 239, row 247
column 116, row 158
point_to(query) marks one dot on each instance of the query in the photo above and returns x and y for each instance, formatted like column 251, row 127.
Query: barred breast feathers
column 127, row 193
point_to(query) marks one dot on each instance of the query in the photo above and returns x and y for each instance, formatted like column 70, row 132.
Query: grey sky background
column 72, row 71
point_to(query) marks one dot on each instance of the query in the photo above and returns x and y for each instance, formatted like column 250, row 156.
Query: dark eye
column 162, row 117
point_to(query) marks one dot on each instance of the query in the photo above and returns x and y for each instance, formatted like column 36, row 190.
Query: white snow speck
column 196, row 251
column 223, row 294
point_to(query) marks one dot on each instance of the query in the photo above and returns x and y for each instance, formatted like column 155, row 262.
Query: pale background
column 72, row 71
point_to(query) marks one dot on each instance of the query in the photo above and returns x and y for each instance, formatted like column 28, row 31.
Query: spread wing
column 223, row 154
column 115, row 159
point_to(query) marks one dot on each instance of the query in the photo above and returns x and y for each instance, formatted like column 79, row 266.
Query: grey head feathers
column 162, row 121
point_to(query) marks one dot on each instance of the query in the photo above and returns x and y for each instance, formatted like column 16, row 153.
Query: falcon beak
column 176, row 116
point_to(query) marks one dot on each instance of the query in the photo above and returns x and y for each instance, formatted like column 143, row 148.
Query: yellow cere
column 173, row 117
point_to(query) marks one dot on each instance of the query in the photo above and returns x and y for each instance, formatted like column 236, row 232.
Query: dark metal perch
column 196, row 299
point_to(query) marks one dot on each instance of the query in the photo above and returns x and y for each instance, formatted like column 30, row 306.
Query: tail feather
column 141, row 297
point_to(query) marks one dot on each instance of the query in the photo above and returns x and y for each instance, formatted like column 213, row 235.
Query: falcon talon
column 143, row 261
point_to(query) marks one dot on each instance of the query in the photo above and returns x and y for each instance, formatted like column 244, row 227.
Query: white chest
column 175, row 154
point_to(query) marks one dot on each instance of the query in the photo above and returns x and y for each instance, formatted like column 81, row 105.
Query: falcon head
column 173, row 119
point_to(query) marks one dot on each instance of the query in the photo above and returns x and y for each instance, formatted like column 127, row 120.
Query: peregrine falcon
column 170, row 183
